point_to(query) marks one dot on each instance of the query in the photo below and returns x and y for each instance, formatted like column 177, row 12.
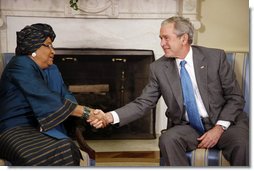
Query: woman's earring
column 33, row 54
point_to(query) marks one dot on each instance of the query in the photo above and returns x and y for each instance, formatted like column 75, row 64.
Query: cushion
column 207, row 157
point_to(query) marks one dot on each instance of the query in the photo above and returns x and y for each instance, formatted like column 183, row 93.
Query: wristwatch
column 86, row 112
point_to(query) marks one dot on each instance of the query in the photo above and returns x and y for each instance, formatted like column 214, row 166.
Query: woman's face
column 45, row 54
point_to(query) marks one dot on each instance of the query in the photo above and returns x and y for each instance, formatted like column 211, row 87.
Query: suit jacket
column 216, row 81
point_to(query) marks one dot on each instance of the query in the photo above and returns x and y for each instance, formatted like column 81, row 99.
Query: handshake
column 99, row 119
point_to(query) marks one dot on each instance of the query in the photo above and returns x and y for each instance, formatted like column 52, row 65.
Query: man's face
column 171, row 44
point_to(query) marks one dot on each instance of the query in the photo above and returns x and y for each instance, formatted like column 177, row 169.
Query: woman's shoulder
column 23, row 59
column 21, row 62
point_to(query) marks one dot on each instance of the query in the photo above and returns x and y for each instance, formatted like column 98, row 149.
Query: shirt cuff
column 115, row 117
column 225, row 124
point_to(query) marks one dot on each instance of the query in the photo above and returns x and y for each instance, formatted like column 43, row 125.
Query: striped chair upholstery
column 240, row 62
column 207, row 157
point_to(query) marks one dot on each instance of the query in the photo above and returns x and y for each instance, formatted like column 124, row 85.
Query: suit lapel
column 174, row 80
column 200, row 67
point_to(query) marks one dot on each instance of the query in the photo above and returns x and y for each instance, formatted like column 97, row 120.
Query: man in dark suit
column 217, row 96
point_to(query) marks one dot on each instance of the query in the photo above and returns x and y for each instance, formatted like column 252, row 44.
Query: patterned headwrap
column 30, row 38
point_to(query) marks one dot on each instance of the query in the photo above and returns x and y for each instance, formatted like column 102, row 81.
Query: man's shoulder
column 162, row 59
column 206, row 49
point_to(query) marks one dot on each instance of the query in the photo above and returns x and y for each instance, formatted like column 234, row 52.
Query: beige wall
column 225, row 24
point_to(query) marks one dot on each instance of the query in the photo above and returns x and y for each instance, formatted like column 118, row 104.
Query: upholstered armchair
column 240, row 62
column 88, row 154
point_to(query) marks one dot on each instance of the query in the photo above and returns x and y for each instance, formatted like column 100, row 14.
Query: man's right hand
column 99, row 119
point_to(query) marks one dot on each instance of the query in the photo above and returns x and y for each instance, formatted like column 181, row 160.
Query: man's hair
column 182, row 25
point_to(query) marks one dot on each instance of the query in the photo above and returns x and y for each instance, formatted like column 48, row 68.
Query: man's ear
column 184, row 38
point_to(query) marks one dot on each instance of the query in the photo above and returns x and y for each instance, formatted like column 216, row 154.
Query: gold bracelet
column 86, row 112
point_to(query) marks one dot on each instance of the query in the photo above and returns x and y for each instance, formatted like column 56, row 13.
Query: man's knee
column 168, row 138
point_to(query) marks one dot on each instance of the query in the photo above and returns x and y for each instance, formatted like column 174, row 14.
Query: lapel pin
column 202, row 67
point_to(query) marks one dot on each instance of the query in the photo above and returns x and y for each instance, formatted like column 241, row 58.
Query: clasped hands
column 99, row 119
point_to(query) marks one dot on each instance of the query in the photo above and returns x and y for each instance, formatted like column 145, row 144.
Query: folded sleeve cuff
column 57, row 117
column 225, row 124
column 115, row 117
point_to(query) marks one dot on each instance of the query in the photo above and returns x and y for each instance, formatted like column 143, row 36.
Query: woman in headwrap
column 34, row 103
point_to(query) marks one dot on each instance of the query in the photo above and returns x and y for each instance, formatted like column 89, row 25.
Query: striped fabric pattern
column 205, row 157
column 86, row 161
column 240, row 62
column 32, row 148
column 57, row 117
